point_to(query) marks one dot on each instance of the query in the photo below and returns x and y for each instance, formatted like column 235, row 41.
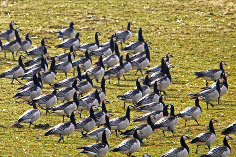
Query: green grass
column 199, row 34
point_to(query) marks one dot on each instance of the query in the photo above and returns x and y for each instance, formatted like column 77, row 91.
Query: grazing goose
column 8, row 34
column 182, row 151
column 134, row 95
column 100, row 115
column 12, row 46
column 65, row 109
column 121, row 123
column 97, row 133
column 146, row 129
column 157, row 114
column 15, row 72
column 30, row 93
column 67, row 32
column 86, row 62
column 104, row 50
column 191, row 113
column 211, row 74
column 167, row 123
column 127, row 64
column 88, row 123
column 141, row 63
column 97, row 149
column 46, row 100
column 113, row 59
column 70, row 42
column 220, row 151
column 206, row 138
column 90, row 46
column 68, row 92
column 25, row 44
column 116, row 71
column 49, row 77
column 30, row 116
column 64, row 67
column 210, row 94
column 38, row 51
column 85, row 86
column 62, row 129
column 123, row 35
column 231, row 129
column 129, row 146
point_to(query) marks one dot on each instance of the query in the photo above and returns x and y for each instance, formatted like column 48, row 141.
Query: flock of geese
column 111, row 64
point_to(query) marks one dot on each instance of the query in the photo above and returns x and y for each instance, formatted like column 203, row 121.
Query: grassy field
column 199, row 34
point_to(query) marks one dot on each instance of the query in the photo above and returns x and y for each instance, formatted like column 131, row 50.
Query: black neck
column 88, row 79
column 43, row 63
column 127, row 58
column 27, row 38
column 97, row 96
column 218, row 86
column 165, row 112
column 117, row 50
column 72, row 118
column 225, row 142
column 79, row 73
column 197, row 103
column 77, row 36
column 121, row 62
column 221, row 66
column 112, row 44
column 69, row 58
column 149, row 121
column 42, row 42
column 136, row 135
column 100, row 62
column 87, row 55
column 211, row 127
column 72, row 25
column 161, row 101
column 74, row 84
column 35, row 80
column 140, row 35
column 138, row 85
column 0, row 43
column 128, row 113
column 104, row 109
column 75, row 99
column 91, row 112
column 172, row 111
column 183, row 144
column 155, row 88
column 34, row 106
column 146, row 81
column 11, row 26
column 163, row 65
column 147, row 51
column 45, row 51
column 54, row 92
column 96, row 39
column 104, row 138
column 107, row 123
column 52, row 67
column 18, row 39
column 128, row 27
column 21, row 63
column 103, row 85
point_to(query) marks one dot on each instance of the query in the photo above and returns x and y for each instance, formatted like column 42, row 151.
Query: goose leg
column 141, row 71
column 12, row 80
column 116, row 133
column 118, row 80
column 136, row 72
column 124, row 105
column 219, row 100
column 5, row 55
column 173, row 132
column 207, row 105
column 66, row 75
column 196, row 148
column 124, row 77
column 60, row 138
column 13, row 55
column 185, row 122
column 18, row 81
column 197, row 122
column 209, row 147
column 163, row 133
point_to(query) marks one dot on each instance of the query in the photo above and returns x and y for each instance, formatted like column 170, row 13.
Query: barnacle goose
column 39, row 50
column 123, row 35
column 90, row 46
column 113, row 59
column 145, row 87
column 64, row 67
column 100, row 115
column 67, row 32
column 86, row 62
column 139, row 54
column 8, row 34
column 25, row 44
column 85, row 86
column 31, row 83
column 104, row 50
column 49, row 77
column 127, row 64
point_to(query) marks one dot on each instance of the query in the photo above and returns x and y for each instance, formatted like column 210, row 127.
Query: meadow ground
column 199, row 34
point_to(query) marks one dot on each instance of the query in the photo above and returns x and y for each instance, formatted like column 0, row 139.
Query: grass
column 199, row 34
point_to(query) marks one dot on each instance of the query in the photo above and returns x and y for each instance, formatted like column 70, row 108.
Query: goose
column 64, row 67
column 191, row 113
column 30, row 93
column 25, row 44
column 44, row 64
column 116, row 71
column 88, row 123
column 70, row 42
column 36, row 60
column 64, row 56
column 139, row 54
column 8, row 34
column 46, row 100
column 100, row 115
column 182, row 151
column 31, row 83
column 85, row 86
column 97, row 149
column 123, row 35
column 129, row 146
column 67, row 92
column 65, row 109
column 68, row 82
column 50, row 76
column 15, row 72
column 127, row 64
column 146, row 155
column 96, row 71
column 86, row 62
column 149, row 98
column 154, row 106
column 206, row 138
column 146, row 129
column 210, row 94
column 67, row 32
column 220, row 151
column 211, row 74
column 12, row 46
column 97, row 133
column 157, row 114
column 90, row 46
column 167, row 123
column 231, row 129
column 134, row 95
column 145, row 87
column 30, row 116
column 113, row 59
column 0, row 45
column 141, row 63
column 121, row 123
column 104, row 50
column 38, row 51
column 62, row 129
column 157, row 68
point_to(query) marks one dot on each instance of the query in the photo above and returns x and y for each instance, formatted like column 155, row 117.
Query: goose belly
column 223, row 91
column 69, row 130
column 69, row 95
column 212, row 96
column 127, row 67
column 147, row 131
column 18, row 73
column 49, row 78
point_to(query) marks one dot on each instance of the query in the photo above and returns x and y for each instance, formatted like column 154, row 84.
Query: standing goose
column 36, row 60
column 62, row 129
column 15, row 72
column 123, row 36
column 67, row 32
column 88, row 123
column 64, row 67
column 39, row 50
column 86, row 62
column 134, row 95
column 85, row 86
column 129, row 146
column 12, row 46
column 97, row 149
column 231, row 129
column 182, row 151
column 127, row 64
column 113, row 59
column 70, row 42
column 220, row 151
column 49, row 77
column 43, row 63
column 139, row 54
column 211, row 74
column 90, row 46
column 64, row 56
column 104, row 50
column 100, row 115
column 167, row 123
column 8, row 34
column 25, row 44
column 30, row 116
column 146, row 87
column 191, row 113
column 158, row 68
column 32, row 92
column 121, row 123
column 206, row 138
